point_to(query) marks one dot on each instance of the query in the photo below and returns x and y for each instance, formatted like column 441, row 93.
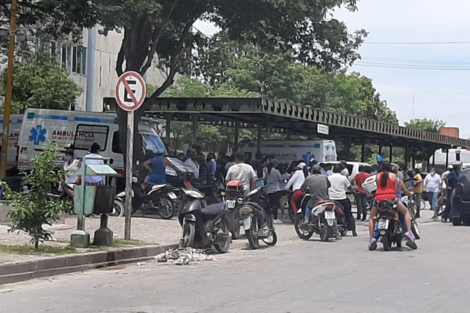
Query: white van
column 15, row 127
column 43, row 126
column 289, row 151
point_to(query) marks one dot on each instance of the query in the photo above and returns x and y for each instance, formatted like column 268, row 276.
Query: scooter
column 203, row 227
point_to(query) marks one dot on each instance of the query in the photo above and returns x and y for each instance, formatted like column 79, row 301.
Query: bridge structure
column 293, row 119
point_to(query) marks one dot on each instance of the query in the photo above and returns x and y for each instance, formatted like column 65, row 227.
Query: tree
column 40, row 82
column 246, row 66
column 429, row 125
column 31, row 210
column 163, row 28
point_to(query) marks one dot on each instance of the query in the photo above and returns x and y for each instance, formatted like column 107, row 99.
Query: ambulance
column 15, row 127
column 288, row 151
column 41, row 127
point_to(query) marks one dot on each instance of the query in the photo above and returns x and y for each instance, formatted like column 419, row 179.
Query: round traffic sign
column 130, row 91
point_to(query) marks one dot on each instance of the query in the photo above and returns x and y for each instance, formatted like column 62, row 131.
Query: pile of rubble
column 183, row 256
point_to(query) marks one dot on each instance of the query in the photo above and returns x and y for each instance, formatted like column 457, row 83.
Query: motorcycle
column 388, row 224
column 370, row 186
column 233, row 198
column 253, row 216
column 158, row 198
column 322, row 220
column 203, row 227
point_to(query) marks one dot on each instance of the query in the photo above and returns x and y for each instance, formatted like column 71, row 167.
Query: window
column 64, row 56
column 82, row 51
column 116, row 146
column 86, row 135
column 54, row 49
column 74, row 59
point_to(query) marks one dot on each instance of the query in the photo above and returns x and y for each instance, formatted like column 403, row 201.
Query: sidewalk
column 149, row 230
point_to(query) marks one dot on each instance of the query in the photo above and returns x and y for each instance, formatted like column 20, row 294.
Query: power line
column 419, row 43
column 410, row 67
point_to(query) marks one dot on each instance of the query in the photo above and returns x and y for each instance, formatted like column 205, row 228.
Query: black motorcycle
column 203, row 227
column 254, row 215
column 234, row 198
column 388, row 225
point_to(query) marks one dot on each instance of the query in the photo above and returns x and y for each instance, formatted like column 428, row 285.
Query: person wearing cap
column 157, row 167
column 94, row 156
column 295, row 182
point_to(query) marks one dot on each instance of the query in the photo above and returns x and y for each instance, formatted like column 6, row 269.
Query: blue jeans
column 308, row 210
column 432, row 197
column 402, row 221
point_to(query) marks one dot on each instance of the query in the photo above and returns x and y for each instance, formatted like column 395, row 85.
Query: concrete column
column 391, row 154
column 447, row 158
column 258, row 146
column 348, row 149
column 168, row 131
column 363, row 150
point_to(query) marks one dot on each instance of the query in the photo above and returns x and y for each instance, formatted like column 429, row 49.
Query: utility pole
column 9, row 92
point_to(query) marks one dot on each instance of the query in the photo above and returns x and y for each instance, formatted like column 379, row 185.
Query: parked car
column 460, row 212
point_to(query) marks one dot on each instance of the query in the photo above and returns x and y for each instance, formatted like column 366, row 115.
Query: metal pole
column 433, row 157
column 391, row 153
column 130, row 147
column 168, row 131
column 236, row 137
column 363, row 150
column 380, row 149
column 407, row 156
column 194, row 137
column 258, row 142
column 348, row 149
column 9, row 92
column 90, row 69
column 447, row 158
column 428, row 167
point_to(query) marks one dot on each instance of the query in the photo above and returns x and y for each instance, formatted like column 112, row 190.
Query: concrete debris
column 183, row 256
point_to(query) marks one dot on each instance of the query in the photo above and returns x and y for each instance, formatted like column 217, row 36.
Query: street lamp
column 9, row 90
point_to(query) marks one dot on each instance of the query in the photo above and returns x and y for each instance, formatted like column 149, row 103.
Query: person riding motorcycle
column 296, row 182
column 387, row 189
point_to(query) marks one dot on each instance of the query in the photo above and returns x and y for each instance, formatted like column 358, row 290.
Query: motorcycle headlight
column 240, row 200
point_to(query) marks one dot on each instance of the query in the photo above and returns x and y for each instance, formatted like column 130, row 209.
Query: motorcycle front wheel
column 188, row 236
column 166, row 209
column 415, row 230
column 118, row 208
column 271, row 240
column 303, row 234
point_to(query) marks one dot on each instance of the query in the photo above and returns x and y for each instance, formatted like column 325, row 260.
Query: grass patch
column 29, row 250
column 126, row 243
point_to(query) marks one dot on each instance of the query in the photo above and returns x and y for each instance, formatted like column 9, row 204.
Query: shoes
column 443, row 220
column 373, row 244
column 277, row 221
column 410, row 241
column 354, row 233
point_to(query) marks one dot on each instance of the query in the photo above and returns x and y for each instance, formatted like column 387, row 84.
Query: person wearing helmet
column 157, row 167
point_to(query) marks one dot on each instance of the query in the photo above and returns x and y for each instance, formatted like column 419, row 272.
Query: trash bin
column 104, row 199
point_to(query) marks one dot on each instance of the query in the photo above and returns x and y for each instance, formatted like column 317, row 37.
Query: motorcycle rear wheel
column 188, row 236
column 118, row 208
column 252, row 234
column 386, row 242
column 166, row 209
column 325, row 233
column 305, row 235
column 223, row 248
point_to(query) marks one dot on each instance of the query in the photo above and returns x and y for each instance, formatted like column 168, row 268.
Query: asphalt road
column 295, row 276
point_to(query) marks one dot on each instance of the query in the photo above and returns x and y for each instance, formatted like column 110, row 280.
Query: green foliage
column 28, row 250
column 426, row 124
column 40, row 82
column 247, row 67
column 31, row 210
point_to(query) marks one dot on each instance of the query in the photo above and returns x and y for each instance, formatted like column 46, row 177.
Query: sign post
column 130, row 95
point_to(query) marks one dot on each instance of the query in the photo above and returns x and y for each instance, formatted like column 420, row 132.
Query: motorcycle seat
column 205, row 188
column 156, row 187
column 213, row 210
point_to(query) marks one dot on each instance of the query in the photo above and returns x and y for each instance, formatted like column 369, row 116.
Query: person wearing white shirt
column 71, row 166
column 192, row 163
column 296, row 181
column 94, row 154
column 340, row 184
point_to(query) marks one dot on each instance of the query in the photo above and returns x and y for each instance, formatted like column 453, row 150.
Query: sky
column 438, row 94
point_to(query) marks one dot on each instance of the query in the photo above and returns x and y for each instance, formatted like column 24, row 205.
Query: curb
column 21, row 271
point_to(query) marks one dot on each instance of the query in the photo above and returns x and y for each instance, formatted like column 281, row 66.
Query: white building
column 74, row 57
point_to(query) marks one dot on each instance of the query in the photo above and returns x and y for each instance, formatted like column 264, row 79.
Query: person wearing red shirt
column 361, row 197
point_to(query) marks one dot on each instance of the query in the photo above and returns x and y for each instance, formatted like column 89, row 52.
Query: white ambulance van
column 42, row 126
column 288, row 151
column 15, row 127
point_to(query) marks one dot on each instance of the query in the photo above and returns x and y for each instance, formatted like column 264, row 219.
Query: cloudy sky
column 439, row 94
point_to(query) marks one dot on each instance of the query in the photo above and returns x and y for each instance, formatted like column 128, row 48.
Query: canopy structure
column 289, row 118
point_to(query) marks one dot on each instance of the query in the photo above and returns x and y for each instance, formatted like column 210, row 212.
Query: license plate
column 172, row 195
column 230, row 204
column 383, row 224
column 330, row 215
